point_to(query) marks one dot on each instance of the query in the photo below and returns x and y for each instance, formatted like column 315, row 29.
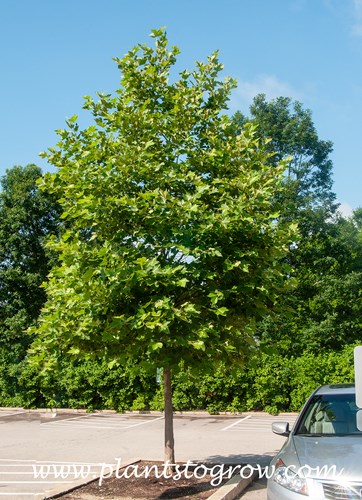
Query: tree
column 327, row 301
column 27, row 217
column 319, row 255
column 332, row 315
column 174, row 246
column 309, row 175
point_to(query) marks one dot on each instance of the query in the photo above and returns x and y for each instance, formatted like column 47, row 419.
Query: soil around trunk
column 196, row 482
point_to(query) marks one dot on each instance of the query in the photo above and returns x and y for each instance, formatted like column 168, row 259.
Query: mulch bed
column 162, row 488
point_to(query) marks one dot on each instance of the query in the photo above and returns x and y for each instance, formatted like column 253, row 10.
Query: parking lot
column 46, row 452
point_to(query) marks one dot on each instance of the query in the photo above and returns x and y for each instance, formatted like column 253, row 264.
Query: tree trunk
column 169, row 438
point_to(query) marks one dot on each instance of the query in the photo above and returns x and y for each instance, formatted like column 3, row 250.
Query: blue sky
column 53, row 52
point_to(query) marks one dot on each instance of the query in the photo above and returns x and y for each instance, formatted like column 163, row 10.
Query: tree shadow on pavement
column 263, row 460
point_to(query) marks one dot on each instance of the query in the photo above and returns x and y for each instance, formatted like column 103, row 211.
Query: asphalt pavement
column 42, row 453
column 256, row 491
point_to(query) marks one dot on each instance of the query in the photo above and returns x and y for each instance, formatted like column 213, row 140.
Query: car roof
column 335, row 389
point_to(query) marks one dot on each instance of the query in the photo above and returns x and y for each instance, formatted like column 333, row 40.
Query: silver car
column 322, row 457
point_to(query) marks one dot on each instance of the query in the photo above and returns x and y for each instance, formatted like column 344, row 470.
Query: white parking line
column 97, row 422
column 11, row 414
column 16, row 473
column 36, row 482
column 67, row 419
column 257, row 423
column 145, row 422
column 235, row 423
column 22, row 494
column 25, row 462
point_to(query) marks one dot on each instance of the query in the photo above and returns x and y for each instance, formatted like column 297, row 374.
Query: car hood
column 343, row 452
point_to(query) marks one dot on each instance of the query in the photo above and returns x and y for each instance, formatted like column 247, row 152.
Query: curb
column 233, row 488
column 142, row 413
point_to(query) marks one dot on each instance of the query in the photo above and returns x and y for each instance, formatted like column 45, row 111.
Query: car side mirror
column 281, row 428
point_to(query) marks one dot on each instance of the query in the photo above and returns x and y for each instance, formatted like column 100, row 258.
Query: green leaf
column 182, row 282
column 73, row 119
column 155, row 346
column 74, row 351
column 222, row 311
column 198, row 344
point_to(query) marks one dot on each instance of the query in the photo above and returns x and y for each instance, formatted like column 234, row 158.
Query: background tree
column 326, row 252
column 174, row 246
column 291, row 132
column 27, row 217
column 325, row 307
column 331, row 318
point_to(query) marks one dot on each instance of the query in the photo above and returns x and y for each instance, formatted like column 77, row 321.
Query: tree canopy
column 174, row 246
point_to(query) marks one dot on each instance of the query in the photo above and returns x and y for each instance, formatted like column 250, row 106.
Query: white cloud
column 345, row 210
column 263, row 84
column 358, row 7
column 297, row 5
column 357, row 29
column 357, row 15
column 352, row 9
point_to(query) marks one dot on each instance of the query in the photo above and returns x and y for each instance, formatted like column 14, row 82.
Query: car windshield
column 330, row 414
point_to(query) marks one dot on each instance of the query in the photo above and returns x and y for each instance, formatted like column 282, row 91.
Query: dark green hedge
column 272, row 383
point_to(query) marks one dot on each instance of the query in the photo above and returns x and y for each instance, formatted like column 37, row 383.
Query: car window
column 330, row 414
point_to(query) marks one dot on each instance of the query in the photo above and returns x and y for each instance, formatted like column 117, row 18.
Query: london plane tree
column 173, row 248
